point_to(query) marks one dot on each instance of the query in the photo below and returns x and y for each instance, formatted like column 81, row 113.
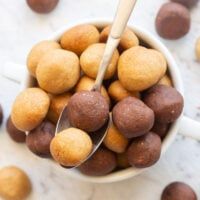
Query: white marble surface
column 20, row 28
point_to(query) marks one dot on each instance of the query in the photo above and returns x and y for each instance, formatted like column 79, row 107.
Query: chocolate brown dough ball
column 122, row 160
column 114, row 140
column 1, row 115
column 128, row 38
column 166, row 102
column 90, row 60
column 197, row 49
column 160, row 129
column 140, row 68
column 187, row 3
column 86, row 83
column 102, row 162
column 144, row 151
column 38, row 140
column 173, row 21
column 14, row 133
column 71, row 146
column 14, row 183
column 42, row 6
column 37, row 52
column 29, row 109
column 57, row 104
column 78, row 38
column 118, row 92
column 88, row 110
column 58, row 71
column 132, row 117
column 178, row 191
column 165, row 80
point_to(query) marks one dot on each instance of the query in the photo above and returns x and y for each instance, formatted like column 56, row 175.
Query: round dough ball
column 140, row 68
column 42, row 6
column 37, row 52
column 38, row 140
column 57, row 104
column 187, row 3
column 58, row 71
column 160, row 129
column 1, row 115
column 198, row 49
column 144, row 151
column 71, row 146
column 178, row 191
column 102, row 162
column 14, row 133
column 90, row 61
column 128, row 38
column 122, row 160
column 86, row 83
column 78, row 38
column 114, row 140
column 14, row 183
column 118, row 92
column 132, row 117
column 29, row 109
column 165, row 80
column 173, row 21
column 88, row 111
column 166, row 102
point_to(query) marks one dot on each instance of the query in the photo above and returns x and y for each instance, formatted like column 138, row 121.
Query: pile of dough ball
column 137, row 92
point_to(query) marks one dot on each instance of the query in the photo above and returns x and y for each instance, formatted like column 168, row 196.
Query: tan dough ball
column 128, row 38
column 37, row 52
column 57, row 104
column 165, row 80
column 115, row 141
column 122, row 160
column 71, row 146
column 14, row 183
column 78, row 38
column 58, row 71
column 29, row 109
column 198, row 49
column 140, row 68
column 91, row 58
column 86, row 83
column 118, row 92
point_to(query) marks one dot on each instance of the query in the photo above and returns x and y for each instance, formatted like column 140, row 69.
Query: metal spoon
column 124, row 11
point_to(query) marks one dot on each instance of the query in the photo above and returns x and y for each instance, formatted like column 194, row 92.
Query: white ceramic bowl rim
column 174, row 72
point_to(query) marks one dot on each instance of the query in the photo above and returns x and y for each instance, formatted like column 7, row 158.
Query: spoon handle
column 123, row 13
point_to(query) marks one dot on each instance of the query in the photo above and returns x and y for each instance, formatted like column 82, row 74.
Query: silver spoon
column 123, row 13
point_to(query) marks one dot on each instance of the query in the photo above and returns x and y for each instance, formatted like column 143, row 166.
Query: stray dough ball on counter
column 37, row 52
column 90, row 60
column 118, row 92
column 71, row 146
column 57, row 104
column 198, row 49
column 166, row 102
column 144, row 151
column 178, row 191
column 38, row 140
column 78, row 38
column 58, row 71
column 127, row 112
column 14, row 133
column 30, row 108
column 140, row 68
column 86, row 83
column 102, row 162
column 14, row 183
column 115, row 141
column 88, row 110
column 128, row 38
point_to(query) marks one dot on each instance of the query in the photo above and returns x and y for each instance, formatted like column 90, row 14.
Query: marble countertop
column 20, row 28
